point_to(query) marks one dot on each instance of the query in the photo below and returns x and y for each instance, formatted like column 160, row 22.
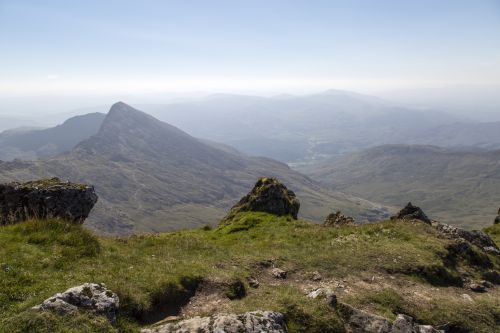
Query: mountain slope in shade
column 45, row 143
column 455, row 186
column 151, row 176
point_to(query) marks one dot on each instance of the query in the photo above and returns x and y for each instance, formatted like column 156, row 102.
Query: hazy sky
column 153, row 46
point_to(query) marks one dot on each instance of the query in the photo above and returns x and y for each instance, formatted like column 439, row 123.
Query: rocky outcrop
column 411, row 212
column 92, row 297
column 338, row 220
column 250, row 322
column 476, row 237
column 269, row 196
column 49, row 198
column 358, row 321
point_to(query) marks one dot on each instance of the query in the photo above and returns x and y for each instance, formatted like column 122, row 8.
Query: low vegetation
column 383, row 267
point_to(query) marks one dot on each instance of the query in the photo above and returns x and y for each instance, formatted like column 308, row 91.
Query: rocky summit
column 338, row 219
column 269, row 196
column 411, row 212
column 44, row 199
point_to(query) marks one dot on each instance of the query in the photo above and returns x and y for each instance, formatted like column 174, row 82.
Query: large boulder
column 48, row 198
column 338, row 220
column 410, row 212
column 269, row 196
column 476, row 237
column 358, row 321
column 92, row 297
column 250, row 322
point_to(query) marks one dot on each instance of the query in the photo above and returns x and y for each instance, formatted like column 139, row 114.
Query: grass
column 40, row 258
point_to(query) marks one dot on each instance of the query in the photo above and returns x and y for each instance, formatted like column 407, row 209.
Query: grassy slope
column 41, row 258
column 456, row 187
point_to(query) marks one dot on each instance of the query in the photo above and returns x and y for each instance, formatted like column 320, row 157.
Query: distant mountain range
column 297, row 129
column 456, row 186
column 31, row 144
column 151, row 176
column 291, row 129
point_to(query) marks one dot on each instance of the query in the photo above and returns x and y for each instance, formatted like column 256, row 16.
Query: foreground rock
column 358, row 321
column 89, row 297
column 411, row 212
column 250, row 322
column 476, row 237
column 338, row 220
column 43, row 199
column 269, row 196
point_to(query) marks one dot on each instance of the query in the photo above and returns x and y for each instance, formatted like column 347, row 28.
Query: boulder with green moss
column 44, row 199
column 269, row 195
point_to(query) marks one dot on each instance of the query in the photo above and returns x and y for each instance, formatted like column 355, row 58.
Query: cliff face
column 50, row 198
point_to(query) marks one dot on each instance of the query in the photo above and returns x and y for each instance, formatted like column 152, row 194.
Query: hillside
column 385, row 268
column 45, row 143
column 457, row 186
column 151, row 176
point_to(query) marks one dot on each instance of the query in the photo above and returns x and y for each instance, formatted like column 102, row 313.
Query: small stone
column 467, row 297
column 478, row 288
column 315, row 276
column 253, row 282
column 486, row 284
column 279, row 273
column 338, row 220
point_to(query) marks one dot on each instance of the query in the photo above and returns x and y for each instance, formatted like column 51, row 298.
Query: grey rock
column 476, row 237
column 358, row 321
column 49, row 198
column 411, row 212
column 253, row 282
column 269, row 196
column 492, row 276
column 250, row 322
column 89, row 296
column 338, row 220
column 316, row 276
column 279, row 273
column 478, row 288
column 326, row 293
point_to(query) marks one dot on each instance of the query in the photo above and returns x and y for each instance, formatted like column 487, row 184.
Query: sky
column 148, row 46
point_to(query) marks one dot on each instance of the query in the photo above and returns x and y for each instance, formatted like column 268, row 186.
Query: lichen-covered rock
column 358, row 321
column 279, row 273
column 250, row 322
column 49, row 198
column 338, row 219
column 89, row 296
column 269, row 196
column 476, row 237
column 411, row 212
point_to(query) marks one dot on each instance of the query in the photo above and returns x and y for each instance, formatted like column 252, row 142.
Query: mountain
column 151, row 176
column 297, row 128
column 458, row 186
column 462, row 134
column 45, row 143
column 7, row 122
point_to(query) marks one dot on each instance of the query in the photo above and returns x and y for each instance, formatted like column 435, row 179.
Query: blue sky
column 119, row 46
